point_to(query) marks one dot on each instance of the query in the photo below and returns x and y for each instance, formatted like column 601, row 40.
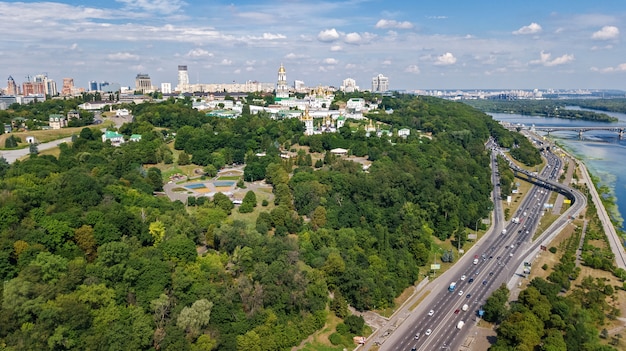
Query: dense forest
column 549, row 108
column 91, row 259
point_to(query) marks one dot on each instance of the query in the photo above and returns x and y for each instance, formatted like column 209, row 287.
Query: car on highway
column 417, row 336
column 470, row 280
column 468, row 296
column 463, row 277
column 490, row 273
column 461, row 293
column 484, row 282
column 428, row 332
column 457, row 311
column 431, row 312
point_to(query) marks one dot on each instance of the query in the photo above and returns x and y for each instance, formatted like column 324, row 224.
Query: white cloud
column 437, row 17
column 328, row 35
column 123, row 56
column 350, row 66
column 532, row 28
column 606, row 33
column 158, row 6
column 546, row 59
column 330, row 61
column 446, row 59
column 269, row 36
column 619, row 68
column 199, row 53
column 250, row 62
column 412, row 69
column 291, row 55
column 386, row 62
column 74, row 46
column 226, row 62
column 383, row 23
column 353, row 38
column 336, row 48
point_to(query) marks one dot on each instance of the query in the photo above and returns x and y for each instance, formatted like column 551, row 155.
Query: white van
column 460, row 325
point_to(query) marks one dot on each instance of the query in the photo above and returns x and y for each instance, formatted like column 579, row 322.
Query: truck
column 460, row 325
column 452, row 286
column 465, row 307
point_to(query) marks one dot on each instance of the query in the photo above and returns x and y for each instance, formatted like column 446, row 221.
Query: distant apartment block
column 68, row 86
column 11, row 87
column 33, row 88
column 380, row 84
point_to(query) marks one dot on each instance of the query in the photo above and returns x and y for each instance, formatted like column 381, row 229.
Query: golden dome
column 281, row 69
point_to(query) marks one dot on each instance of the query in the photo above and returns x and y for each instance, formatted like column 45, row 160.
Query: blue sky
column 417, row 44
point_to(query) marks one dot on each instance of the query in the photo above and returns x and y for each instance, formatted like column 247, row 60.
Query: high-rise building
column 33, row 88
column 51, row 87
column 380, row 84
column 183, row 79
column 349, row 85
column 143, row 83
column 68, row 86
column 282, row 89
column 11, row 87
column 93, row 85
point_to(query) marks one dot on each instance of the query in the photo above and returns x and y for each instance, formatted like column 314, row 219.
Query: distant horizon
column 415, row 44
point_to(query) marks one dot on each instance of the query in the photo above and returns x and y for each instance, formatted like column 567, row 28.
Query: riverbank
column 613, row 236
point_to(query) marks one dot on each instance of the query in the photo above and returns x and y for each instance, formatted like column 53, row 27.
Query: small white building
column 114, row 137
column 122, row 112
column 404, row 132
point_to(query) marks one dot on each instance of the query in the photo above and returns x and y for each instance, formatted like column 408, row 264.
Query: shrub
column 552, row 249
column 335, row 338
column 544, row 267
column 264, row 203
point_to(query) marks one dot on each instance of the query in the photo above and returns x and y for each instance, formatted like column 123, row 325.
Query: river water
column 603, row 152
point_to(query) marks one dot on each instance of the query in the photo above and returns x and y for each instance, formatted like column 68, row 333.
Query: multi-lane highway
column 434, row 324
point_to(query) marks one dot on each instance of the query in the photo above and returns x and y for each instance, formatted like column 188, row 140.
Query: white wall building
column 349, row 85
column 183, row 79
column 166, row 88
column 380, row 84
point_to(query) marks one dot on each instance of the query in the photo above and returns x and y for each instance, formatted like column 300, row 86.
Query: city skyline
column 417, row 45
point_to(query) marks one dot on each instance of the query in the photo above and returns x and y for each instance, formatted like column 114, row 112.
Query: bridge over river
column 548, row 129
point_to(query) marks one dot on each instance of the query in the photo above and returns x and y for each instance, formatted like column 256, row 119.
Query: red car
column 457, row 311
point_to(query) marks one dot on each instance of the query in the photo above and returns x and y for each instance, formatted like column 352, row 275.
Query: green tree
column 193, row 319
column 210, row 170
column 184, row 159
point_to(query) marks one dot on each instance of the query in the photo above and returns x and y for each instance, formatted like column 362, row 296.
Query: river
column 603, row 152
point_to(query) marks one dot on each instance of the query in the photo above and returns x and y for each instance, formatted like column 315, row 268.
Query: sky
column 418, row 45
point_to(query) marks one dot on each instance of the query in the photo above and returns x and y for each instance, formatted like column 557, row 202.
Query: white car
column 431, row 312
column 463, row 277
column 461, row 293
column 428, row 332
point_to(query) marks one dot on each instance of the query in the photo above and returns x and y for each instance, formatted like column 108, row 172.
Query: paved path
column 12, row 155
column 614, row 239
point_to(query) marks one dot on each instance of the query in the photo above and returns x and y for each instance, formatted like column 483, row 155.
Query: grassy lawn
column 229, row 178
column 43, row 136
